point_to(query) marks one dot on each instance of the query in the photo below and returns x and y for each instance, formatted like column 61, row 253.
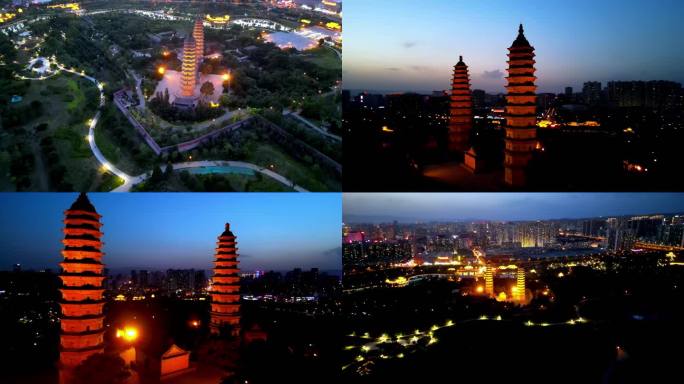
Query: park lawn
column 58, row 95
column 75, row 91
column 246, row 183
column 324, row 57
column 265, row 154
column 107, row 182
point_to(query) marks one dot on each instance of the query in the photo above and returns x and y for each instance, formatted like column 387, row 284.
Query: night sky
column 276, row 231
column 402, row 45
column 410, row 207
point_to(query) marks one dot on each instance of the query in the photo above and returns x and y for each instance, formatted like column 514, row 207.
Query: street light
column 129, row 334
column 161, row 70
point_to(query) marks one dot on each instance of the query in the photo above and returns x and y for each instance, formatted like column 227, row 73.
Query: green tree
column 207, row 89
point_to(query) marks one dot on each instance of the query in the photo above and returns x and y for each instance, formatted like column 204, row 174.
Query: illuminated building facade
column 82, row 276
column 461, row 109
column 489, row 281
column 225, row 290
column 189, row 68
column 198, row 35
column 521, row 130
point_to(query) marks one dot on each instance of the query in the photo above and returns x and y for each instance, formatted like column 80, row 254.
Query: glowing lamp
column 130, row 334
column 225, row 77
column 161, row 70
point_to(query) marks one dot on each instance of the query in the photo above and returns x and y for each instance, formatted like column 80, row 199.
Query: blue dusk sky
column 412, row 45
column 275, row 231
column 411, row 207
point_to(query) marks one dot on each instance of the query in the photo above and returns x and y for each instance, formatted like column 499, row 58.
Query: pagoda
column 225, row 289
column 521, row 120
column 461, row 109
column 82, row 276
column 189, row 68
column 198, row 35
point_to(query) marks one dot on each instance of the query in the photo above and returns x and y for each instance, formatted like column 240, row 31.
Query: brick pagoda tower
column 461, row 109
column 198, row 35
column 521, row 120
column 189, row 68
column 225, row 289
column 82, row 277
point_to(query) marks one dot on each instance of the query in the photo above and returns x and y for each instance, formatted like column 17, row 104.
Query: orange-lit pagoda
column 521, row 128
column 82, row 277
column 225, row 289
column 189, row 68
column 198, row 35
column 461, row 109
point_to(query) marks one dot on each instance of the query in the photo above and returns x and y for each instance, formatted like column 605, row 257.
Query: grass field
column 266, row 154
column 324, row 57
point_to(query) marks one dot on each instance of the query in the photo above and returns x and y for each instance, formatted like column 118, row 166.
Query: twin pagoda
column 82, row 275
column 521, row 129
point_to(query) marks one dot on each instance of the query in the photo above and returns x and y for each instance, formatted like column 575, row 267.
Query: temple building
column 225, row 289
column 521, row 130
column 461, row 109
column 198, row 35
column 82, row 276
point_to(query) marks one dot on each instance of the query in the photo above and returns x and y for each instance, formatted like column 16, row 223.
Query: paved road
column 138, row 90
column 203, row 164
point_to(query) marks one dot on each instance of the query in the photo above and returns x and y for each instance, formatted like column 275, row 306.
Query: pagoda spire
column 82, row 275
column 461, row 109
column 225, row 288
column 521, row 119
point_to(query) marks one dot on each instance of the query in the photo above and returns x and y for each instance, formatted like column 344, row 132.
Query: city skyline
column 436, row 207
column 589, row 43
column 176, row 231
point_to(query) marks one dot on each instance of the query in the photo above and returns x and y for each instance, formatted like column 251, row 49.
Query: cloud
column 409, row 44
column 495, row 74
column 420, row 68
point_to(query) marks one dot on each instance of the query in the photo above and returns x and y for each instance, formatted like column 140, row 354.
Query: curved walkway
column 204, row 164
column 130, row 181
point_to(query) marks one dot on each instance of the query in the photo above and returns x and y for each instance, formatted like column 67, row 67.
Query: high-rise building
column 521, row 119
column 225, row 289
column 651, row 94
column 489, row 281
column 189, row 68
column 568, row 92
column 461, row 109
column 198, row 35
column 592, row 92
column 479, row 98
column 144, row 277
column 82, row 276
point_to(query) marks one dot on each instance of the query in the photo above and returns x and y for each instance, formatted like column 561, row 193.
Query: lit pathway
column 91, row 128
column 413, row 339
column 92, row 122
column 203, row 164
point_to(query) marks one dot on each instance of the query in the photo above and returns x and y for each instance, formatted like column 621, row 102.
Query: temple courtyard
column 172, row 82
